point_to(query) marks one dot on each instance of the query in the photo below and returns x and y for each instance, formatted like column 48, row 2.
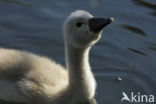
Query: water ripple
column 134, row 29
column 151, row 45
column 137, row 51
column 144, row 4
column 16, row 2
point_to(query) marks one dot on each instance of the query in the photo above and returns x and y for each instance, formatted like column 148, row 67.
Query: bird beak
column 97, row 24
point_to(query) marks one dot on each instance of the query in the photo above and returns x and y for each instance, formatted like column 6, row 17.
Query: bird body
column 24, row 72
column 33, row 79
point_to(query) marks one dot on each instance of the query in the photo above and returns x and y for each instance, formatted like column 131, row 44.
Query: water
column 127, row 49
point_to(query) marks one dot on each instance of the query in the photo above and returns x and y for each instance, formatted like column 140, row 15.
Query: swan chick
column 32, row 79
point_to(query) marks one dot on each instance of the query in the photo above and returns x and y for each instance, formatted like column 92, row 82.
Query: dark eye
column 79, row 24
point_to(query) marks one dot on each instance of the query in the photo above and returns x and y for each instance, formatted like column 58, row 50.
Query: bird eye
column 79, row 24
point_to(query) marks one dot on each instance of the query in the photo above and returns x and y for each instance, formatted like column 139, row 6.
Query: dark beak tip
column 97, row 24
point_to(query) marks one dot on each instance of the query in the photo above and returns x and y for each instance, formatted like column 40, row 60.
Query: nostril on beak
column 97, row 24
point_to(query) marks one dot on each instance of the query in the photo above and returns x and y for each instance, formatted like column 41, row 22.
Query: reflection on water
column 117, row 54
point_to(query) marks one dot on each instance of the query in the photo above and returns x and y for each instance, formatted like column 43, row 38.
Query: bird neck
column 80, row 75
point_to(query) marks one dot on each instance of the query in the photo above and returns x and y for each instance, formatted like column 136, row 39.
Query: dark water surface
column 127, row 49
